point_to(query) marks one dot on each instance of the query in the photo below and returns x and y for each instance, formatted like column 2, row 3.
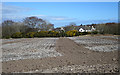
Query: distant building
column 39, row 30
column 62, row 29
column 59, row 29
column 50, row 29
column 81, row 30
column 86, row 28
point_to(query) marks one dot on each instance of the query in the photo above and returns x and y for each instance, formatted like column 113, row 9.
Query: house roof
column 85, row 27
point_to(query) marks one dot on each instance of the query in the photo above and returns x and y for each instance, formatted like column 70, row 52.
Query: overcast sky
column 62, row 13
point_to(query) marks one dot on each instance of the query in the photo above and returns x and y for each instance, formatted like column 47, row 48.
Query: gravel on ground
column 74, row 58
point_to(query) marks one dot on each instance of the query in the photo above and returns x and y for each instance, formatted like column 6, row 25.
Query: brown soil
column 73, row 54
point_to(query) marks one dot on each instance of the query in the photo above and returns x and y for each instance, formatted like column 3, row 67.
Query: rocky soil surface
column 17, row 49
column 98, row 43
column 85, row 54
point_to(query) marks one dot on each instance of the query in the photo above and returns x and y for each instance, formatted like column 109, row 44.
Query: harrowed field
column 84, row 54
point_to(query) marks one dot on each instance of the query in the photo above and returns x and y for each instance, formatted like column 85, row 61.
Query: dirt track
column 72, row 54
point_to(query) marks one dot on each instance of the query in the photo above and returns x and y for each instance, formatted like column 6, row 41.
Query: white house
column 62, row 29
column 93, row 28
column 50, row 30
column 81, row 30
column 86, row 29
column 39, row 30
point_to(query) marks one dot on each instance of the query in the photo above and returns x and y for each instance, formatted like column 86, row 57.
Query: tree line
column 108, row 28
column 48, row 34
column 29, row 24
column 32, row 27
column 104, row 28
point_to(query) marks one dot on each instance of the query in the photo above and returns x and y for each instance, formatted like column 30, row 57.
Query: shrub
column 17, row 35
column 6, row 37
column 56, row 34
column 30, row 35
column 53, row 34
column 72, row 33
column 88, row 32
column 41, row 34
column 83, row 33
column 94, row 32
column 24, row 35
column 46, row 34
column 62, row 34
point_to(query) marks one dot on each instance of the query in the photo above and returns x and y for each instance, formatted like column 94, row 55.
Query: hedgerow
column 30, row 35
column 17, row 35
column 49, row 34
column 72, row 33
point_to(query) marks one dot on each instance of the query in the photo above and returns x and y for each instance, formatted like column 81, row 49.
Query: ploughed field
column 84, row 54
column 98, row 43
column 18, row 49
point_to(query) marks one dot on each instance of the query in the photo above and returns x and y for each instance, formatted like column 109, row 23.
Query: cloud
column 58, row 18
column 62, row 18
column 19, row 13
column 13, row 12
column 13, row 9
column 54, row 18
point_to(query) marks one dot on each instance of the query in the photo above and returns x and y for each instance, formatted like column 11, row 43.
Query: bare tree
column 71, row 26
column 38, row 23
column 107, row 28
column 33, row 22
column 7, row 29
